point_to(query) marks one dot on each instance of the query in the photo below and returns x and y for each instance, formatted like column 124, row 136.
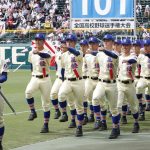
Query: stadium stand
column 28, row 16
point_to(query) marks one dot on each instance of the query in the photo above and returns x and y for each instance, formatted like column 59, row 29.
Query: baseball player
column 84, row 48
column 57, row 83
column 40, row 80
column 144, row 81
column 92, row 74
column 142, row 105
column 72, row 61
column 106, row 87
column 3, row 78
column 55, row 89
column 126, row 85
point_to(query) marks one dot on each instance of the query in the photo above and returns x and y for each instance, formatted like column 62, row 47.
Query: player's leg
column 89, row 87
column 147, row 98
column 71, row 104
column 112, row 96
column 63, row 93
column 54, row 97
column 2, row 128
column 131, row 96
column 140, row 88
column 97, row 101
column 78, row 91
column 31, row 88
column 45, row 87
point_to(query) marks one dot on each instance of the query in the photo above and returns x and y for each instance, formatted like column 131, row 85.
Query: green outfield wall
column 13, row 52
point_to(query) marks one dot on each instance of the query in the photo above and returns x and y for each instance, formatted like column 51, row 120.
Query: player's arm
column 73, row 51
column 148, row 55
column 44, row 55
column 3, row 77
column 110, row 54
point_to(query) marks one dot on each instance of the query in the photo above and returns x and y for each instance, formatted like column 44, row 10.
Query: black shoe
column 148, row 107
column 1, row 147
column 97, row 124
column 114, row 133
column 44, row 130
column 141, row 117
column 32, row 116
column 85, row 120
column 91, row 118
column 57, row 114
column 79, row 132
column 124, row 120
column 72, row 124
column 64, row 118
column 136, row 128
column 103, row 127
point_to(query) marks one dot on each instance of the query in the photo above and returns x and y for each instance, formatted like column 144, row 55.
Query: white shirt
column 126, row 70
column 38, row 63
column 71, row 62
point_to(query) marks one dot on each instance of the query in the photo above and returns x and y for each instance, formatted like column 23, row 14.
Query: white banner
column 103, row 24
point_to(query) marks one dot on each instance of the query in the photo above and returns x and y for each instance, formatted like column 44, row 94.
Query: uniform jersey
column 92, row 65
column 126, row 70
column 72, row 64
column 108, row 66
column 144, row 61
column 58, row 56
column 38, row 63
column 84, row 68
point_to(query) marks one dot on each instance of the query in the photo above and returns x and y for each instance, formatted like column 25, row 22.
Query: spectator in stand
column 139, row 9
column 147, row 11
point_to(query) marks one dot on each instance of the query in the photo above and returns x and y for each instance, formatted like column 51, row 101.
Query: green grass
column 21, row 132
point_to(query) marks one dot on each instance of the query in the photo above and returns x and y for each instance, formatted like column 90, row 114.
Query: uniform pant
column 127, row 91
column 105, row 91
column 44, row 85
column 1, row 112
column 76, row 88
column 90, row 86
column 141, row 85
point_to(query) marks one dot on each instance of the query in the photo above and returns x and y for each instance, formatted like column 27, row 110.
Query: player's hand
column 101, row 48
column 124, row 61
column 88, row 52
column 35, row 52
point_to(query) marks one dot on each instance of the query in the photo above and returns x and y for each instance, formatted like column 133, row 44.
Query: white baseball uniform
column 40, row 79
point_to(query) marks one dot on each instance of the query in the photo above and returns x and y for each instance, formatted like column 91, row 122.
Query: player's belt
column 73, row 79
column 94, row 78
column 40, row 76
column 126, row 81
column 85, row 77
column 107, row 81
column 138, row 77
column 145, row 77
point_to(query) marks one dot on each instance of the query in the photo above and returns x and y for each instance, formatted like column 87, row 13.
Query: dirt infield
column 94, row 141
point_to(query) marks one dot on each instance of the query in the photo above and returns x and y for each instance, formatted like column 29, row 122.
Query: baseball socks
column 33, row 113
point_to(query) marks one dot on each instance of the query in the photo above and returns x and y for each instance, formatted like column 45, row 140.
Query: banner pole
column 135, row 18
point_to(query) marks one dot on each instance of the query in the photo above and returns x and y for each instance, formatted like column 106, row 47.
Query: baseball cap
column 126, row 41
column 146, row 42
column 40, row 36
column 108, row 37
column 137, row 42
column 118, row 42
column 93, row 40
column 71, row 37
column 83, row 42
